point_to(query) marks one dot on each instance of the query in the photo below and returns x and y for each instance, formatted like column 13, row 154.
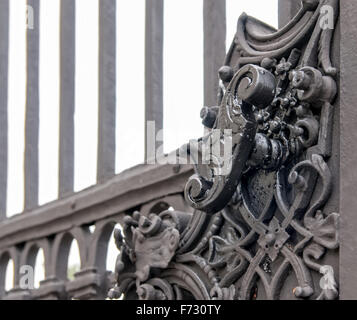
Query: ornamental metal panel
column 265, row 220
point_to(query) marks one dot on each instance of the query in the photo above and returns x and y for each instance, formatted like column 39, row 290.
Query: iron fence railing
column 53, row 226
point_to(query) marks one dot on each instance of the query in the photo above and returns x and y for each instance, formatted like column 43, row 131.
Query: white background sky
column 183, row 85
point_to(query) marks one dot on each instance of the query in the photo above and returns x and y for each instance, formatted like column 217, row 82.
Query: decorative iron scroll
column 262, row 226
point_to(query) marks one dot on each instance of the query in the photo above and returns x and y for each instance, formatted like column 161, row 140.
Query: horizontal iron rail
column 133, row 187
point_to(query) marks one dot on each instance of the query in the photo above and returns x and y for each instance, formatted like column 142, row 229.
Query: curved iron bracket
column 231, row 140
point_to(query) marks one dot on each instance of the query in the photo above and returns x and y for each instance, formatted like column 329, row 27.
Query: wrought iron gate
column 266, row 228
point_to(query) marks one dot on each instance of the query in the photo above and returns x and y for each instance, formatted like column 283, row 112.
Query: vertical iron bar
column 214, row 28
column 154, row 36
column 32, row 105
column 67, row 97
column 107, row 89
column 346, row 51
column 287, row 10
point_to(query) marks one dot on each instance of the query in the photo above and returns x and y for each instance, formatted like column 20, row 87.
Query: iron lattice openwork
column 262, row 230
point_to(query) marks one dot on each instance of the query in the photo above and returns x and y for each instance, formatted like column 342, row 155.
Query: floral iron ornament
column 262, row 230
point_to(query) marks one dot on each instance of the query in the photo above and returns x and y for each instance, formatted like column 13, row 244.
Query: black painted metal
column 107, row 90
column 287, row 11
column 67, row 97
column 267, row 229
column 32, row 107
column 264, row 225
column 214, row 32
column 347, row 144
column 154, row 37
